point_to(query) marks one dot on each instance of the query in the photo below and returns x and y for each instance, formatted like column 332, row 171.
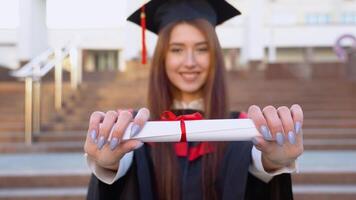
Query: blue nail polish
column 101, row 142
column 135, row 129
column 266, row 133
column 93, row 135
column 255, row 141
column 291, row 137
column 280, row 138
column 298, row 126
column 113, row 143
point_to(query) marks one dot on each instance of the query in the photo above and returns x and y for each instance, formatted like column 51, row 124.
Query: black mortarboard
column 159, row 13
column 156, row 14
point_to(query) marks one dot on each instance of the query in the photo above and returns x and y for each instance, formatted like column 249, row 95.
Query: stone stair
column 330, row 126
column 326, row 175
column 50, row 176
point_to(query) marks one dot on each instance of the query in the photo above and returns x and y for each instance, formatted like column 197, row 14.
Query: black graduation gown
column 233, row 182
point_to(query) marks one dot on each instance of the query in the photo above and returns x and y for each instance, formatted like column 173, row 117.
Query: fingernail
column 298, row 126
column 280, row 138
column 113, row 143
column 139, row 145
column 93, row 135
column 135, row 129
column 291, row 137
column 266, row 133
column 255, row 141
column 101, row 142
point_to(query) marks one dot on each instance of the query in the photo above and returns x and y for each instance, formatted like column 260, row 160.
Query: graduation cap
column 156, row 14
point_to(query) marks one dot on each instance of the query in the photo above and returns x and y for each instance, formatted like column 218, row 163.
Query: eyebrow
column 182, row 44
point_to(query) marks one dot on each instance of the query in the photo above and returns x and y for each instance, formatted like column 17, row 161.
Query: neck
column 189, row 97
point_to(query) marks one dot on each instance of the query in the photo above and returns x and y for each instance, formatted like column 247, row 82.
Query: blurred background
column 60, row 60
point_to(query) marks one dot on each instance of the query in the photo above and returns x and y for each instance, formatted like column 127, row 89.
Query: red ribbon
column 143, row 35
column 169, row 116
column 181, row 148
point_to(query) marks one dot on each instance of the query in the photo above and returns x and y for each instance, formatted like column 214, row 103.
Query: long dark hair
column 160, row 98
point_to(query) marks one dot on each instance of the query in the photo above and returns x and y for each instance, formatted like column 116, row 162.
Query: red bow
column 181, row 148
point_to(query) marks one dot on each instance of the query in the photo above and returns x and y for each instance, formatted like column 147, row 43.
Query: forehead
column 187, row 34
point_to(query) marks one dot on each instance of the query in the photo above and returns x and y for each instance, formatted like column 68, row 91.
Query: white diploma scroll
column 196, row 130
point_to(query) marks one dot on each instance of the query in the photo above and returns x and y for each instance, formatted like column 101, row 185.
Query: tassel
column 143, row 26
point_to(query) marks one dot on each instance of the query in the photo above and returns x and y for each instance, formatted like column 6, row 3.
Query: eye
column 176, row 50
column 203, row 49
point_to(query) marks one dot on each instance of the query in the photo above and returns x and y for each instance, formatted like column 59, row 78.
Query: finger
column 255, row 113
column 130, row 145
column 140, row 119
column 287, row 122
column 105, row 128
column 120, row 110
column 274, row 124
column 297, row 115
column 95, row 119
column 263, row 145
column 118, row 131
column 125, row 147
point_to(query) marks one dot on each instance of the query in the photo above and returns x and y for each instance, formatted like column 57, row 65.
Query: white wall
column 8, row 48
column 285, row 23
column 32, row 32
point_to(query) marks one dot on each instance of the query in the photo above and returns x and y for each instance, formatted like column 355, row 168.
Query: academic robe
column 233, row 182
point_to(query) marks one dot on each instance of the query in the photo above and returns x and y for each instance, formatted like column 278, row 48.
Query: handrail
column 32, row 73
column 44, row 61
column 340, row 51
column 27, row 68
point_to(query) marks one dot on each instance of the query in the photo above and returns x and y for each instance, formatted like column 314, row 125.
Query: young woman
column 187, row 75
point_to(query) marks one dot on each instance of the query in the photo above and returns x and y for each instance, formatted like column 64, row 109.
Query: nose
column 190, row 61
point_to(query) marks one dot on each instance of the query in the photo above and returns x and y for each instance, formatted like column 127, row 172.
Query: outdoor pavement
column 64, row 163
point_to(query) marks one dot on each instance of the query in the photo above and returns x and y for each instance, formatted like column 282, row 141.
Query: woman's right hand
column 104, row 139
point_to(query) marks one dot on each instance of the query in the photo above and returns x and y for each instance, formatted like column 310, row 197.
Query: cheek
column 204, row 62
column 172, row 65
column 172, row 62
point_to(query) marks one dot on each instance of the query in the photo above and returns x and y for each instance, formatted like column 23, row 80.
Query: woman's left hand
column 281, row 140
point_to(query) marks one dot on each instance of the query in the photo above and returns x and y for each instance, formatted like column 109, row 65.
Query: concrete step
column 329, row 133
column 53, row 176
column 330, row 123
column 331, row 177
column 324, row 192
column 326, row 175
column 44, row 193
column 42, row 147
column 44, row 136
column 330, row 144
column 47, row 180
column 330, row 114
column 323, row 174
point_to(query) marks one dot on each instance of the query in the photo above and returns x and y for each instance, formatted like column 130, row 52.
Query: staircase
column 329, row 128
column 50, row 176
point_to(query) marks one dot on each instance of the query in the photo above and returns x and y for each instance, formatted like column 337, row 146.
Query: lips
column 189, row 76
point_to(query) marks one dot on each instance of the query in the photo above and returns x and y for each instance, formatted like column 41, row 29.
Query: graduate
column 187, row 81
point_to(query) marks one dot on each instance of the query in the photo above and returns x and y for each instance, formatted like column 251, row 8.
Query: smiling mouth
column 189, row 76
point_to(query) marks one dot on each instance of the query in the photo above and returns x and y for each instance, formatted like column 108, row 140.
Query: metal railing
column 347, row 56
column 34, row 71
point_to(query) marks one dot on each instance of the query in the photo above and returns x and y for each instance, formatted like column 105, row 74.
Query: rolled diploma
column 196, row 130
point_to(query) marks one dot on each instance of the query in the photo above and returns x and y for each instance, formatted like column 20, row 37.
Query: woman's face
column 187, row 61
